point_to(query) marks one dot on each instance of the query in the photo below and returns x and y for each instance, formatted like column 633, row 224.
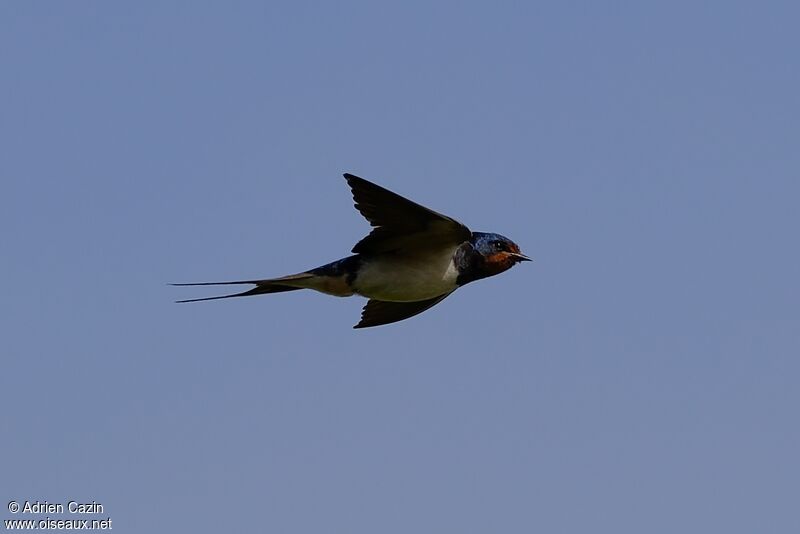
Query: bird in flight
column 412, row 260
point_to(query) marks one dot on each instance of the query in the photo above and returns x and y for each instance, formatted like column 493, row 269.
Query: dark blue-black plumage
column 412, row 260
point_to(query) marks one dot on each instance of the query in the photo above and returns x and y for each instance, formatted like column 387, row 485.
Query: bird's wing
column 378, row 312
column 400, row 223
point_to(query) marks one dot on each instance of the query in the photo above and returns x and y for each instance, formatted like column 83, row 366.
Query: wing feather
column 400, row 223
column 379, row 312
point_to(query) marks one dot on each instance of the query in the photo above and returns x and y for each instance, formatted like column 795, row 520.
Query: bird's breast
column 406, row 278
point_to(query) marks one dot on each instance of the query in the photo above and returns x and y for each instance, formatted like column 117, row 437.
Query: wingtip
column 352, row 177
column 361, row 323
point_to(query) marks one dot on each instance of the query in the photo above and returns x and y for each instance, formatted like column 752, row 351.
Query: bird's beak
column 520, row 257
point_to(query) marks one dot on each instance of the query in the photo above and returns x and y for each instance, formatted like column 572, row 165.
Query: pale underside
column 423, row 275
column 395, row 278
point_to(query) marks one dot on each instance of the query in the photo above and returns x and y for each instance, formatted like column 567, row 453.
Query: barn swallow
column 412, row 259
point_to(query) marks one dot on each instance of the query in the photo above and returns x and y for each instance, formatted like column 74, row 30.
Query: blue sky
column 639, row 376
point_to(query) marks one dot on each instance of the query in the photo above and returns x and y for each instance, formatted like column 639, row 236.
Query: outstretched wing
column 378, row 312
column 400, row 223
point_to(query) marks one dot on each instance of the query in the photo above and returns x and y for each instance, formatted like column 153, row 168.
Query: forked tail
column 272, row 285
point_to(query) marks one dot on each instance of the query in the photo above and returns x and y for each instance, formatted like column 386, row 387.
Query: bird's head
column 498, row 252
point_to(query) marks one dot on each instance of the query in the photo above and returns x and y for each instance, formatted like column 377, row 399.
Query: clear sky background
column 640, row 376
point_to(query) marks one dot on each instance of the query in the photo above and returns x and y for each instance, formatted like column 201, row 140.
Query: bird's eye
column 498, row 245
